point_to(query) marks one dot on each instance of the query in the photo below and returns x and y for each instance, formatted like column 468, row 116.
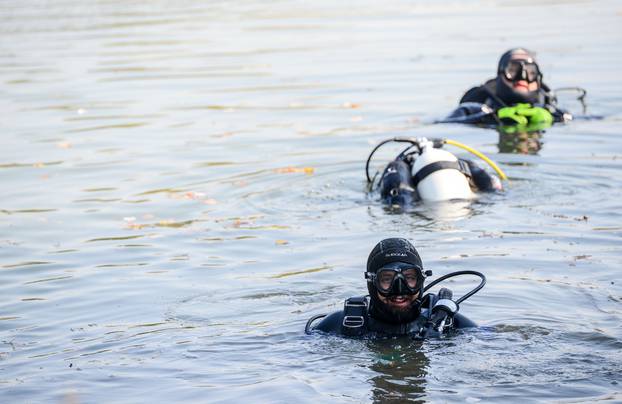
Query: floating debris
column 290, row 169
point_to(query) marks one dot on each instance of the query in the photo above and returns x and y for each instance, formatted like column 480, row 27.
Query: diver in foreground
column 397, row 304
column 516, row 96
column 423, row 171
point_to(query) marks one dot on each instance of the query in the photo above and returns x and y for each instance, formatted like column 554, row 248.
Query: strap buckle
column 353, row 321
column 354, row 318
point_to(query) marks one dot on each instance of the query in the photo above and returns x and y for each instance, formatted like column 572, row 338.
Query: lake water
column 183, row 187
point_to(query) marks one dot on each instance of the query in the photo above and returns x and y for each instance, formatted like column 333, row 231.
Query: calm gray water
column 183, row 188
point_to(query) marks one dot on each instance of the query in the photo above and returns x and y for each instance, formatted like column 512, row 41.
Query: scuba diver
column 397, row 304
column 422, row 171
column 516, row 96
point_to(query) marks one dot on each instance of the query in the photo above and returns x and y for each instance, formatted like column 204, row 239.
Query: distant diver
column 397, row 304
column 425, row 172
column 516, row 96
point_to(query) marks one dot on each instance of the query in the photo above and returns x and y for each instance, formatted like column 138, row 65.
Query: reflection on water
column 401, row 371
column 183, row 187
column 446, row 210
column 520, row 142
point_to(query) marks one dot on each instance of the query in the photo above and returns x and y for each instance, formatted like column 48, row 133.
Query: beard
column 395, row 315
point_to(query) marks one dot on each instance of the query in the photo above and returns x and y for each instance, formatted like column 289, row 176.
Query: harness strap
column 354, row 316
column 459, row 165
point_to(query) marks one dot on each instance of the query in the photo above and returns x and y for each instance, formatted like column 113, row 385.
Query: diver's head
column 395, row 281
column 518, row 77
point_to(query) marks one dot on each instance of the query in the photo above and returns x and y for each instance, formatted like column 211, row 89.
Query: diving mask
column 397, row 278
column 522, row 69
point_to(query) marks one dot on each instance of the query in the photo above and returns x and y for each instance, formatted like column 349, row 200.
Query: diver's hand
column 443, row 309
column 442, row 315
column 525, row 114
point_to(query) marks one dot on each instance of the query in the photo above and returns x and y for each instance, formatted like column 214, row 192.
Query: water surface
column 183, row 188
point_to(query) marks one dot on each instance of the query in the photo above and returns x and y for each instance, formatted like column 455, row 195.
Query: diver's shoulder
column 462, row 321
column 480, row 93
column 330, row 324
column 481, row 179
column 474, row 94
column 351, row 321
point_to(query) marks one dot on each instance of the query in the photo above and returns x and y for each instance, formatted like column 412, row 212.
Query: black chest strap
column 459, row 165
column 354, row 316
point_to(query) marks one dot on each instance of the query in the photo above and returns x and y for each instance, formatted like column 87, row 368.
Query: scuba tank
column 438, row 175
column 423, row 171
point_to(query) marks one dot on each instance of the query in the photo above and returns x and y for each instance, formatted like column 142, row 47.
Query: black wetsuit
column 488, row 95
column 480, row 179
column 372, row 327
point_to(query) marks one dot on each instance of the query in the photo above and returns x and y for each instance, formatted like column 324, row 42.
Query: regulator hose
column 581, row 98
column 478, row 154
column 458, row 273
column 412, row 141
column 308, row 328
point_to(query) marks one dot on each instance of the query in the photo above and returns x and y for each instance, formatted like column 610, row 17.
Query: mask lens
column 531, row 72
column 513, row 70
column 522, row 70
column 385, row 278
column 410, row 275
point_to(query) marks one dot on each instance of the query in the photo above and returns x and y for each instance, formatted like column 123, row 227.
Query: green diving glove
column 526, row 115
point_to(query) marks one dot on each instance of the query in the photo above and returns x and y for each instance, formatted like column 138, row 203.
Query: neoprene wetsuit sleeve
column 331, row 324
column 461, row 321
column 480, row 178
